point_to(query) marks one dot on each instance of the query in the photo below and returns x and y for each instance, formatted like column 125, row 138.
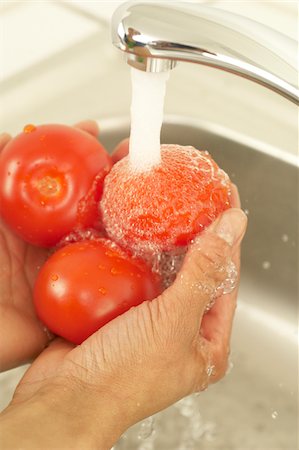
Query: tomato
column 51, row 178
column 165, row 207
column 86, row 284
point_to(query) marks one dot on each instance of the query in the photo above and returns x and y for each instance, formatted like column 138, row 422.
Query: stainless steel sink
column 255, row 406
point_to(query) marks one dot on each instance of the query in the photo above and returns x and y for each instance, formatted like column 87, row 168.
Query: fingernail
column 231, row 226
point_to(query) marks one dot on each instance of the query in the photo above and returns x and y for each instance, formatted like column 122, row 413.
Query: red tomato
column 165, row 207
column 86, row 284
column 46, row 172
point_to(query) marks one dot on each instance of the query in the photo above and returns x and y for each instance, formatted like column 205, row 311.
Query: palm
column 19, row 264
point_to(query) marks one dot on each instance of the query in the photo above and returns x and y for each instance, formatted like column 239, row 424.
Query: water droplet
column 48, row 333
column 246, row 211
column 29, row 128
column 187, row 406
column 42, row 203
column 102, row 290
column 229, row 284
column 110, row 253
column 210, row 370
column 146, row 428
column 134, row 274
column 54, row 277
column 266, row 265
column 115, row 271
column 284, row 238
column 274, row 415
column 229, row 367
column 209, row 431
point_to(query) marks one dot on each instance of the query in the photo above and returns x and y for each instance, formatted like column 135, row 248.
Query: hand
column 23, row 335
column 139, row 363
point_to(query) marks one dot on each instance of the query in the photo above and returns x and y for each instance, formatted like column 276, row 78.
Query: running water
column 148, row 92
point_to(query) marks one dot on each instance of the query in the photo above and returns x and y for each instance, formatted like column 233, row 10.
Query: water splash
column 230, row 367
column 168, row 264
column 229, row 284
column 146, row 428
column 146, row 434
column 210, row 370
column 196, row 430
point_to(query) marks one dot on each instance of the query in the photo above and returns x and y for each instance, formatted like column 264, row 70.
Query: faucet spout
column 157, row 35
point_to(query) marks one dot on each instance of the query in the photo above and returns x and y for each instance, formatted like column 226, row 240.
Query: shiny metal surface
column 175, row 31
column 255, row 407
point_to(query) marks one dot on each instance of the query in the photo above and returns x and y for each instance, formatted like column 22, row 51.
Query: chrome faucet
column 157, row 35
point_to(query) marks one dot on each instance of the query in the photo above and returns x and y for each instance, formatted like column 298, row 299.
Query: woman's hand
column 139, row 363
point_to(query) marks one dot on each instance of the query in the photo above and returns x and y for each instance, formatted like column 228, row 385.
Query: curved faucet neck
column 157, row 35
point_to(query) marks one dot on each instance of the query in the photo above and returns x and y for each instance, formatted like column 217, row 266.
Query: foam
column 165, row 207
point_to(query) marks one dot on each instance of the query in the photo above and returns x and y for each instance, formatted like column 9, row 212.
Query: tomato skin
column 84, row 285
column 165, row 207
column 44, row 173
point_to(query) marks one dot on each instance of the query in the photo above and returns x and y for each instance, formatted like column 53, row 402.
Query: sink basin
column 255, row 406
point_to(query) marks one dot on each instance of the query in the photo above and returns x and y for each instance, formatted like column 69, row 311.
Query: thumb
column 205, row 267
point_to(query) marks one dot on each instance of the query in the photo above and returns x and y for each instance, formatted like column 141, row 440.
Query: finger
column 121, row 150
column 15, row 350
column 90, row 126
column 4, row 139
column 204, row 268
column 46, row 364
column 216, row 326
column 217, row 322
column 235, row 197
